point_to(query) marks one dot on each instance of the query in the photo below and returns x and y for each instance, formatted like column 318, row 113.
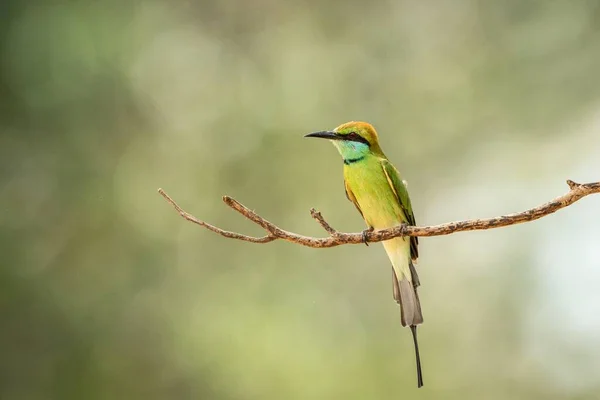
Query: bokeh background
column 486, row 107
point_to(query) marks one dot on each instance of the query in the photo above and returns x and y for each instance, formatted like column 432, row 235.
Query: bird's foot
column 364, row 235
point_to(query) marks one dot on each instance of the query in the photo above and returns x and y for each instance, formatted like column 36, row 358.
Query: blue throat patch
column 352, row 152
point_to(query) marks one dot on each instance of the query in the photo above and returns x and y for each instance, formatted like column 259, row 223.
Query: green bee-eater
column 374, row 185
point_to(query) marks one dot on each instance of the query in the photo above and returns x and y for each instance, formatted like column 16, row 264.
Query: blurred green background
column 486, row 107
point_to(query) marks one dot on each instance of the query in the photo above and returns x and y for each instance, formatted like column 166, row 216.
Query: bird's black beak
column 324, row 135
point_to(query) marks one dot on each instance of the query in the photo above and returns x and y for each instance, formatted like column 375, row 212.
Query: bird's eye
column 357, row 138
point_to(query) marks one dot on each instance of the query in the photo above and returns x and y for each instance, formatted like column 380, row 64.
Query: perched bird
column 374, row 185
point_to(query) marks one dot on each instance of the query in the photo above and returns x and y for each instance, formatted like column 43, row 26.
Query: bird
column 380, row 195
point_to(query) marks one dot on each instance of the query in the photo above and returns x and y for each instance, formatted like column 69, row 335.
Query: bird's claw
column 364, row 235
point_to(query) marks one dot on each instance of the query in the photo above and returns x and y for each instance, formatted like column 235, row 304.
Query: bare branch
column 336, row 238
column 232, row 235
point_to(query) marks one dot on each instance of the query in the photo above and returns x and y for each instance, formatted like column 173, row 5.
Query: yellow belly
column 374, row 196
column 379, row 206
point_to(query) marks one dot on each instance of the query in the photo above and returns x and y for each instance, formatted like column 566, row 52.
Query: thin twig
column 232, row 235
column 317, row 216
column 336, row 238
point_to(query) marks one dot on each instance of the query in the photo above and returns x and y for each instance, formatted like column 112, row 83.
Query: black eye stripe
column 355, row 137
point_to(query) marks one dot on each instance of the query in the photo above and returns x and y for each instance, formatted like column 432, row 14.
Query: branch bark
column 336, row 238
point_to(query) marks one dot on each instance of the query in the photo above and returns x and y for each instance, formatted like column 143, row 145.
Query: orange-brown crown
column 364, row 130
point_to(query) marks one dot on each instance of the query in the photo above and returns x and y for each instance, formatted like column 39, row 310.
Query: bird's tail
column 413, row 329
column 405, row 282
column 405, row 293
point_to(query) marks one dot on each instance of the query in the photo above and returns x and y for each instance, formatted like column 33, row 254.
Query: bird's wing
column 399, row 189
column 351, row 197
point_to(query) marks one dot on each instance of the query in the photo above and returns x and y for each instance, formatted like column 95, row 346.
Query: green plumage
column 375, row 187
